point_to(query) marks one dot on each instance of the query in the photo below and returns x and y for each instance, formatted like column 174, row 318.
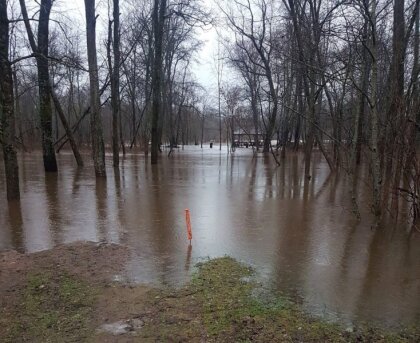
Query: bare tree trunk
column 220, row 119
column 202, row 130
column 300, row 106
column 398, row 57
column 45, row 88
column 309, row 90
column 416, row 65
column 219, row 90
column 273, row 115
column 362, row 104
column 158, row 25
column 411, row 163
column 45, row 108
column 415, row 78
column 98, row 148
column 255, row 116
column 7, row 119
column 50, row 163
column 18, row 113
column 396, row 110
column 67, row 128
column 131, row 85
column 121, row 130
column 133, row 117
column 146, row 132
column 115, row 85
column 309, row 140
column 375, row 159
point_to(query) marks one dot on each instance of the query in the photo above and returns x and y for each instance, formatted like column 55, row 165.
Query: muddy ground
column 74, row 293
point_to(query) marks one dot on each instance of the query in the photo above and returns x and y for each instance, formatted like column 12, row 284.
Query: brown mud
column 74, row 293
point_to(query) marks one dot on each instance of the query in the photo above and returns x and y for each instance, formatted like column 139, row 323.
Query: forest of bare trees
column 335, row 76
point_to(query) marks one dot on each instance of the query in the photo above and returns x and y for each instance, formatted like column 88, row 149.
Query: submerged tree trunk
column 45, row 88
column 7, row 119
column 358, row 120
column 45, row 108
column 18, row 113
column 375, row 159
column 67, row 128
column 115, row 85
column 397, row 107
column 158, row 25
column 202, row 130
column 98, row 148
column 362, row 102
column 309, row 140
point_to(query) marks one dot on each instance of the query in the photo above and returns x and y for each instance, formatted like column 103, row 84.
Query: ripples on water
column 301, row 237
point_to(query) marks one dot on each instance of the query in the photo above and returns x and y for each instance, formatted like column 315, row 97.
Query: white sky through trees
column 203, row 67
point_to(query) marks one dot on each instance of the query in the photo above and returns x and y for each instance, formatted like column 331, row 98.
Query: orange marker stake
column 188, row 220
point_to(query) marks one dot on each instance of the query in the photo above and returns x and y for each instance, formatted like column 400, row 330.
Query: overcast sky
column 203, row 69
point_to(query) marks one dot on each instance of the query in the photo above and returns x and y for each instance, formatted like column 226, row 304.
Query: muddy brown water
column 301, row 237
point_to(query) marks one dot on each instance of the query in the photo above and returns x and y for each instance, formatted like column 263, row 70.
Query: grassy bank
column 221, row 303
column 52, row 307
column 229, row 306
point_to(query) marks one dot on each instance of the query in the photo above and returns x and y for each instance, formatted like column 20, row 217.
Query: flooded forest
column 210, row 170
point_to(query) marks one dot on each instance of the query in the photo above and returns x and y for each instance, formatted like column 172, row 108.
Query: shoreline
column 69, row 294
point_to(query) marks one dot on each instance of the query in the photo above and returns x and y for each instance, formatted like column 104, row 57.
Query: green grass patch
column 53, row 308
column 222, row 303
column 233, row 309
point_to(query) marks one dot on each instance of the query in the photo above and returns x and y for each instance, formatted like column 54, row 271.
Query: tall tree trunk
column 18, row 113
column 396, row 111
column 273, row 115
column 415, row 77
column 202, row 130
column 398, row 57
column 115, row 85
column 98, row 148
column 219, row 90
column 131, row 83
column 300, row 107
column 45, row 88
column 375, row 159
column 157, row 106
column 358, row 120
column 309, row 139
column 120, row 129
column 133, row 117
column 7, row 119
column 362, row 104
column 45, row 108
column 309, row 89
column 416, row 64
column 148, row 89
column 255, row 114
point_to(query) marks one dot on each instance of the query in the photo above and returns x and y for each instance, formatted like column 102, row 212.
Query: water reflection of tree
column 77, row 175
column 252, row 180
column 296, row 176
column 386, row 256
column 161, row 210
column 55, row 222
column 16, row 225
column 269, row 172
column 121, row 223
column 292, row 251
column 101, row 207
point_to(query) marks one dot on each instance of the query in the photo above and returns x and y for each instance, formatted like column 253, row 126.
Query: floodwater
column 301, row 237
